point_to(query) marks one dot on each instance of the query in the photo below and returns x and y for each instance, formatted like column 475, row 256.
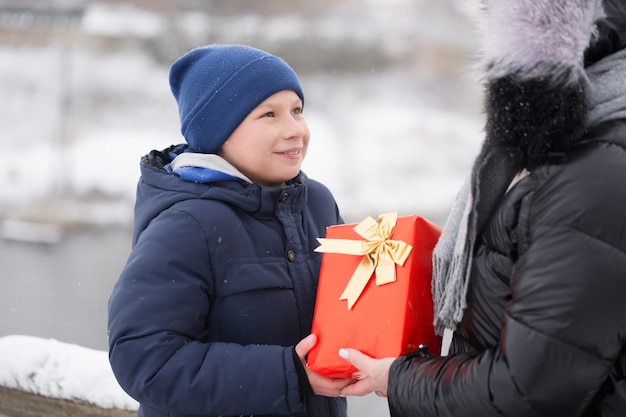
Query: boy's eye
column 297, row 110
column 269, row 114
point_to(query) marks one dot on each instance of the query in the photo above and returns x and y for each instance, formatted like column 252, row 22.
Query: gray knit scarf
column 495, row 167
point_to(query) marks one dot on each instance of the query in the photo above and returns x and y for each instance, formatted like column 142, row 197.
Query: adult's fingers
column 358, row 359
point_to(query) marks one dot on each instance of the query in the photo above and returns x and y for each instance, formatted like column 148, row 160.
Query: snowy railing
column 45, row 377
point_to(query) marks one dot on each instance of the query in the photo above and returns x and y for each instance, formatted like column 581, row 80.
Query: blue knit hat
column 217, row 86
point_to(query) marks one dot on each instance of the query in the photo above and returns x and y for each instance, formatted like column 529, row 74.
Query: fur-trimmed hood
column 535, row 82
column 535, row 56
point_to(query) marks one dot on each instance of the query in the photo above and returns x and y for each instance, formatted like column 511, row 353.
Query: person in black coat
column 212, row 312
column 530, row 270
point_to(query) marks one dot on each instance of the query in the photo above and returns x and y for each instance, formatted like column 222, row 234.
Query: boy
column 212, row 312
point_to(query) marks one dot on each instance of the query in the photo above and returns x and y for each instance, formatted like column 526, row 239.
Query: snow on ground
column 60, row 370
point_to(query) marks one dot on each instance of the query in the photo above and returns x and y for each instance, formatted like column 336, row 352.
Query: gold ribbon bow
column 380, row 254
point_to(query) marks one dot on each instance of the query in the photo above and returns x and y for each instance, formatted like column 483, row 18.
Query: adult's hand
column 373, row 375
column 322, row 385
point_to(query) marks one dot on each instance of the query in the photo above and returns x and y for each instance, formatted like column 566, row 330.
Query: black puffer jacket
column 544, row 333
column 544, row 330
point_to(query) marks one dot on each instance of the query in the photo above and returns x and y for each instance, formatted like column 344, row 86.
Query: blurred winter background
column 391, row 100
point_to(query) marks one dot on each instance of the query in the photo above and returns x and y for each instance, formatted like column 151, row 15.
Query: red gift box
column 374, row 292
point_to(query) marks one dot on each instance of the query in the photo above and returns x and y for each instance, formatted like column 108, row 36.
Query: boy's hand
column 322, row 385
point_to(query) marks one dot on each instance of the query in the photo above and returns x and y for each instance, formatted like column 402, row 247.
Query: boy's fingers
column 305, row 345
column 358, row 389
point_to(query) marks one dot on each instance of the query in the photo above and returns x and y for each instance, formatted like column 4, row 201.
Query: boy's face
column 270, row 144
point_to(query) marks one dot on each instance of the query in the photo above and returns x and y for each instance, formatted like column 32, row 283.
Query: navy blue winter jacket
column 219, row 287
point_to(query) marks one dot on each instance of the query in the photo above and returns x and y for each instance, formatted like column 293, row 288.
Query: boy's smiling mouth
column 290, row 152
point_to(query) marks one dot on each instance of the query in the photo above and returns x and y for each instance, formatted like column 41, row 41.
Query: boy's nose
column 294, row 127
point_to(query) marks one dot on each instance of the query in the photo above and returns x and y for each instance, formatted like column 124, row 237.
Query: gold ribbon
column 380, row 254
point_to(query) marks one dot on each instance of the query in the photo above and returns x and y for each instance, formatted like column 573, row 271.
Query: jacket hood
column 159, row 189
column 611, row 35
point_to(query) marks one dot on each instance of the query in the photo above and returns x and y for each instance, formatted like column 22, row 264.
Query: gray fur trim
column 536, row 38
